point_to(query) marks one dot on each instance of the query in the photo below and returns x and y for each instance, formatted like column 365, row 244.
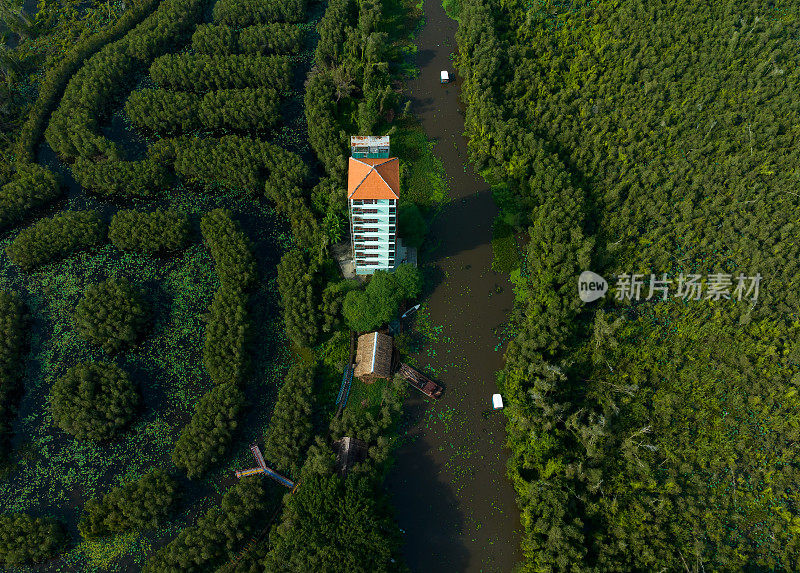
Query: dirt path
column 452, row 498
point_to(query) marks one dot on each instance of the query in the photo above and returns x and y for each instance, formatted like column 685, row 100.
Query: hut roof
column 374, row 355
column 372, row 178
column 349, row 451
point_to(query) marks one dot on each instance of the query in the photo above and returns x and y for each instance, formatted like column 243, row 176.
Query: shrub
column 12, row 347
column 275, row 38
column 246, row 12
column 93, row 401
column 326, row 136
column 26, row 539
column 408, row 279
column 170, row 112
column 231, row 249
column 297, row 288
column 378, row 303
column 220, row 532
column 32, row 187
column 244, row 109
column 236, row 163
column 73, row 130
column 111, row 178
column 52, row 86
column 206, row 438
column 159, row 231
column 145, row 503
column 225, row 350
column 204, row 72
column 290, row 428
column 163, row 111
column 215, row 39
column 112, row 314
column 56, row 238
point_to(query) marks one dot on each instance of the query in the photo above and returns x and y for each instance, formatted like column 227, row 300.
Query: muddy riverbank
column 449, row 486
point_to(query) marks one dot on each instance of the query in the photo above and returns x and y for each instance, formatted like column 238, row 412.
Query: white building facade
column 373, row 185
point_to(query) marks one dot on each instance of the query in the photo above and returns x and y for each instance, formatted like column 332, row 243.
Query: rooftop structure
column 372, row 146
column 374, row 356
column 373, row 189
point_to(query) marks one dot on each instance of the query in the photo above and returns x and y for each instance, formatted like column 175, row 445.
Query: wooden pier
column 419, row 381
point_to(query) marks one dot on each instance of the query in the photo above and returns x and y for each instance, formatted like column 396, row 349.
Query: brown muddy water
column 449, row 484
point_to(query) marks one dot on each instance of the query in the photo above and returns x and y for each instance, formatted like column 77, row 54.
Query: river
column 449, row 484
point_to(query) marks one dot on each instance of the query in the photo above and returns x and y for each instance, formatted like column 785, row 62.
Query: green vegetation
column 195, row 336
column 275, row 38
column 411, row 225
column 73, row 128
column 112, row 314
column 12, row 348
column 378, row 303
column 225, row 354
column 223, row 529
column 290, row 429
column 236, row 163
column 158, row 232
column 26, row 539
column 207, row 437
column 57, row 237
column 122, row 179
column 248, row 12
column 33, row 187
column 332, row 524
column 93, row 401
column 296, row 284
column 234, row 262
column 204, row 72
column 645, row 138
column 144, row 503
column 169, row 112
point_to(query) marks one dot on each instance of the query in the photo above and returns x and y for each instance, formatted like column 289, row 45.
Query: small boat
column 409, row 311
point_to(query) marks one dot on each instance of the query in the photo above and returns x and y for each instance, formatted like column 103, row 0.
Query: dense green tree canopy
column 299, row 297
column 333, row 525
column 204, row 441
column 290, row 428
column 57, row 237
column 411, row 225
column 112, row 314
column 26, row 539
column 218, row 533
column 378, row 303
column 159, row 231
column 140, row 504
column 93, row 400
column 32, row 187
column 645, row 137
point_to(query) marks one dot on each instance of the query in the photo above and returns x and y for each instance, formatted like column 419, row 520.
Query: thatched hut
column 374, row 356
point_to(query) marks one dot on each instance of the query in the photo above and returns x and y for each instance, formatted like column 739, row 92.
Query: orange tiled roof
column 373, row 178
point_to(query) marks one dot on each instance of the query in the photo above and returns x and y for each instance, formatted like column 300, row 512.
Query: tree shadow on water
column 426, row 508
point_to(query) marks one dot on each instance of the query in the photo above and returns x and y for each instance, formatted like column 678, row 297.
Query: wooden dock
column 419, row 381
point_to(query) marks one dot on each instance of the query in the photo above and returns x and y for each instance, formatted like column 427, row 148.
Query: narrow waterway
column 449, row 485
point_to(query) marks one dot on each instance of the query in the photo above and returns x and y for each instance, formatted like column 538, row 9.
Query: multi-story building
column 373, row 188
